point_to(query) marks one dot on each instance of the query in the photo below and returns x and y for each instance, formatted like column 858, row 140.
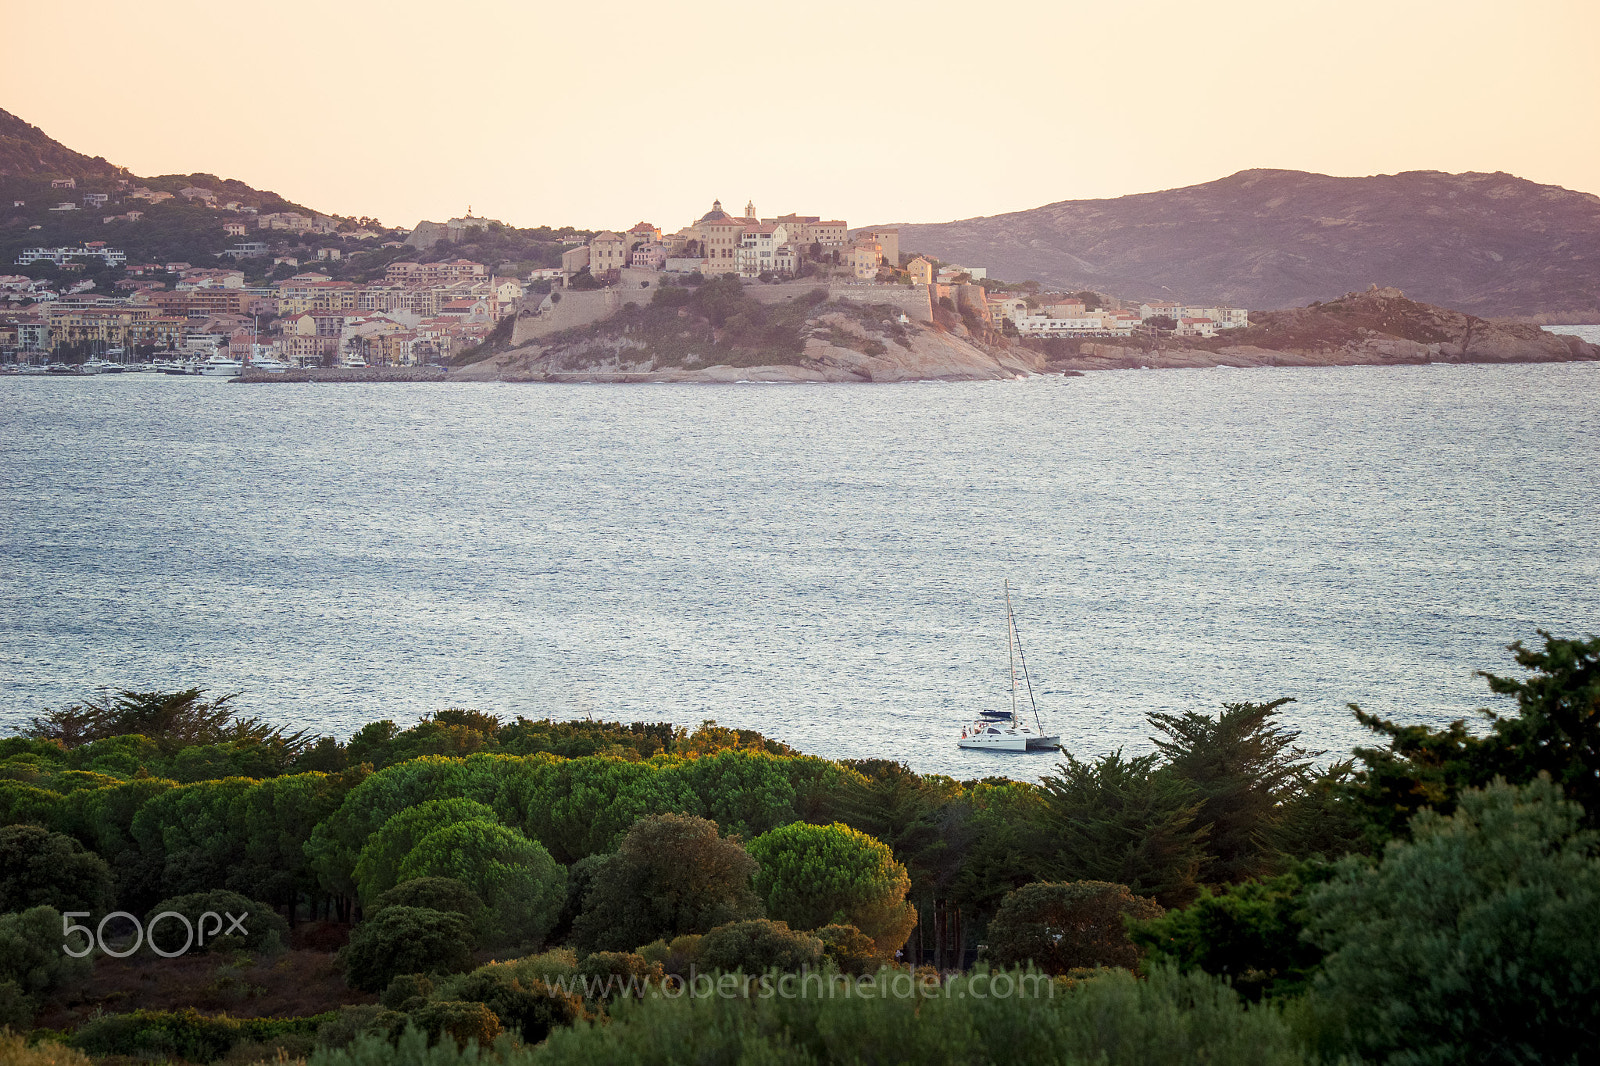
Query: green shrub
column 1111, row 1018
column 366, row 1019
column 848, row 948
column 406, row 940
column 15, row 1051
column 608, row 974
column 816, row 875
column 1249, row 933
column 38, row 867
column 265, row 929
column 758, row 946
column 411, row 1048
column 31, row 959
column 459, row 1020
column 1477, row 941
column 524, row 1003
column 16, row 1006
column 676, row 957
column 405, row 990
column 1067, row 926
column 185, row 1034
column 436, row 894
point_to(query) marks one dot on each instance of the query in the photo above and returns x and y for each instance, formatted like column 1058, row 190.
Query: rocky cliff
column 719, row 335
column 1491, row 244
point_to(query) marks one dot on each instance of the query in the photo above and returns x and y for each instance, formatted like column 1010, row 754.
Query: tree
column 1065, row 926
column 1476, row 941
column 33, row 963
column 816, row 875
column 1242, row 765
column 1128, row 822
column 378, row 867
column 516, row 877
column 406, row 940
column 674, row 874
column 436, row 894
column 38, row 867
column 1161, row 322
column 264, row 930
column 1556, row 730
column 757, row 946
column 1249, row 933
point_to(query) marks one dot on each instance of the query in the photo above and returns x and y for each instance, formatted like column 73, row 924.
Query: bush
column 459, row 1020
column 14, row 1051
column 524, row 1003
column 1110, row 1018
column 676, row 957
column 406, row 940
column 1477, row 941
column 758, row 946
column 351, row 1023
column 1067, row 926
column 1249, row 933
column 265, row 929
column 849, row 949
column 607, row 974
column 673, row 875
column 405, row 989
column 32, row 962
column 816, row 875
column 435, row 894
column 38, row 867
column 185, row 1034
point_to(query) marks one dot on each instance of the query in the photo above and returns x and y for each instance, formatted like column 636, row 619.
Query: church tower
column 749, row 209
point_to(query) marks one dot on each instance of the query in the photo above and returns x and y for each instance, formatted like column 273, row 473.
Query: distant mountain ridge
column 29, row 156
column 1491, row 244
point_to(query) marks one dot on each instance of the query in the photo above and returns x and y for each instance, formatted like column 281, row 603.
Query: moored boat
column 1005, row 730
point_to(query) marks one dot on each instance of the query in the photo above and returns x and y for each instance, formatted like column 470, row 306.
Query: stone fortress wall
column 540, row 316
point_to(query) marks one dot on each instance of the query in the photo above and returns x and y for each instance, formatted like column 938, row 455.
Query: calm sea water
column 822, row 563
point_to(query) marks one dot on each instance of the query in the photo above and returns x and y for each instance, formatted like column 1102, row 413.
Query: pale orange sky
column 603, row 114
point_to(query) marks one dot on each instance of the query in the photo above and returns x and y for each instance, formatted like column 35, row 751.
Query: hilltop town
column 287, row 287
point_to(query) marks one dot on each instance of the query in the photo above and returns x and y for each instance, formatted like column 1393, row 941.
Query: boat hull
column 988, row 743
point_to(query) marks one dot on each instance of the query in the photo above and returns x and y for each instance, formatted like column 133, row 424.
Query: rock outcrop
column 841, row 349
column 1379, row 327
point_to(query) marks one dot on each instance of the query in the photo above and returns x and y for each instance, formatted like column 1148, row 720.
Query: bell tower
column 749, row 209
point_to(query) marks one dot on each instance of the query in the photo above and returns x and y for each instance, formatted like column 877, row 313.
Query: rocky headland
column 1378, row 327
column 722, row 332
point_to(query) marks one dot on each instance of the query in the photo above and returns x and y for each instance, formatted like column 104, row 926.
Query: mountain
column 1491, row 244
column 26, row 151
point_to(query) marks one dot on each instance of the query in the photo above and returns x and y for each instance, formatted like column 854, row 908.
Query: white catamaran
column 1003, row 730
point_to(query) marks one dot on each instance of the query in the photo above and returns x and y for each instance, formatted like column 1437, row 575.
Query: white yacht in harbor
column 1005, row 730
column 221, row 366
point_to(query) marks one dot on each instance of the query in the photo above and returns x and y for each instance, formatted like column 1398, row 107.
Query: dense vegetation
column 1434, row 899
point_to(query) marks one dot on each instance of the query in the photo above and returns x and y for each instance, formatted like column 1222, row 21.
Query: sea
column 827, row 564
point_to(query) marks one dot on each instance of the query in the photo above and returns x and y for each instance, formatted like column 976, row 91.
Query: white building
column 758, row 249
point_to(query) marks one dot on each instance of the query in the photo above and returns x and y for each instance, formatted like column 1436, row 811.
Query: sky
column 606, row 114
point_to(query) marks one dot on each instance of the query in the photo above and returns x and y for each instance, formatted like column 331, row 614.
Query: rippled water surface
column 823, row 563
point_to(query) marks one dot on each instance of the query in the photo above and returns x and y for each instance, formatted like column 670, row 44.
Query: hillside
column 26, row 151
column 1377, row 327
column 1490, row 244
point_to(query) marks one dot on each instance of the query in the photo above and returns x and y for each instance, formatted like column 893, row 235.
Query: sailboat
column 1005, row 730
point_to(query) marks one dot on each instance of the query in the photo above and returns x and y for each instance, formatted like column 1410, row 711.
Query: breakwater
column 343, row 374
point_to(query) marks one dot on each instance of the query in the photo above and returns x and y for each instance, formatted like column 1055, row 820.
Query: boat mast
column 1011, row 650
column 1017, row 638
